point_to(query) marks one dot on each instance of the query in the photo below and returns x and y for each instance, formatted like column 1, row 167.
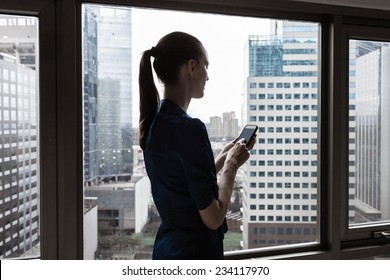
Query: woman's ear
column 191, row 66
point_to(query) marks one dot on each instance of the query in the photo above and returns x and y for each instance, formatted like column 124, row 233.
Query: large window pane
column 369, row 132
column 275, row 201
column 280, row 190
column 19, row 131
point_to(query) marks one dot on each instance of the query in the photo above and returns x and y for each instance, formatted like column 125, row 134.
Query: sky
column 224, row 38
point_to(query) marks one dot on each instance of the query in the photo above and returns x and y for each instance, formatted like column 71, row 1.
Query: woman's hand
column 220, row 159
column 238, row 154
column 252, row 142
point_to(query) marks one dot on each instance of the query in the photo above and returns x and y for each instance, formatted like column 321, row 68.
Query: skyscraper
column 371, row 166
column 107, row 94
column 230, row 125
column 90, row 80
column 280, row 200
column 215, row 128
column 19, row 134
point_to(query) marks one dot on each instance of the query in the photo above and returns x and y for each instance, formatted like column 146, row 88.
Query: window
column 60, row 143
column 109, row 161
column 369, row 206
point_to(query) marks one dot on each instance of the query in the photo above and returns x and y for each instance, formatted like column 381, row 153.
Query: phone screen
column 247, row 133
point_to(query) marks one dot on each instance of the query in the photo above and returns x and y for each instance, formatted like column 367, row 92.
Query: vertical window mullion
column 69, row 135
column 335, row 193
column 49, row 203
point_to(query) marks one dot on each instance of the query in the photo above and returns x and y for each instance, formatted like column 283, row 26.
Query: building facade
column 122, row 206
column 229, row 125
column 107, row 94
column 214, row 128
column 280, row 195
column 90, row 108
column 19, row 134
column 371, row 129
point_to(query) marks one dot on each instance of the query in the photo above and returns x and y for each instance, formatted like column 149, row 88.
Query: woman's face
column 200, row 77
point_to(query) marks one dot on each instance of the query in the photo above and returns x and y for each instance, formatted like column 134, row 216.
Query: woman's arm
column 215, row 213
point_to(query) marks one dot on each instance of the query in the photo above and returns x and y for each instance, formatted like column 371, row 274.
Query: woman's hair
column 171, row 52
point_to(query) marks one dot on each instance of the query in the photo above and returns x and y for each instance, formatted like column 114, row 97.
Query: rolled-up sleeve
column 197, row 161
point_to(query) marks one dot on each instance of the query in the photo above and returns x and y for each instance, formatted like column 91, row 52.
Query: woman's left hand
column 220, row 160
column 252, row 142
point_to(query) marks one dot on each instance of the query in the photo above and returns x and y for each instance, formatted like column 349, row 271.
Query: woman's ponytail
column 149, row 97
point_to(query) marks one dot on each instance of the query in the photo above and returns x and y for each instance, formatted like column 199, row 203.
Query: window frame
column 358, row 235
column 44, row 10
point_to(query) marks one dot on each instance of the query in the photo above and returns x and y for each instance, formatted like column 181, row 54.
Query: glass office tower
column 107, row 94
column 369, row 165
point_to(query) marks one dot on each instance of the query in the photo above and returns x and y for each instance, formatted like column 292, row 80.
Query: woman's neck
column 178, row 96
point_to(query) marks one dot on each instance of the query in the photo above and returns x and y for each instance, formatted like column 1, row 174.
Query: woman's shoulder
column 194, row 122
column 170, row 125
column 193, row 125
column 172, row 114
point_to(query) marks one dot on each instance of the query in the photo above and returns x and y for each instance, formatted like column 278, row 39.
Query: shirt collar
column 168, row 106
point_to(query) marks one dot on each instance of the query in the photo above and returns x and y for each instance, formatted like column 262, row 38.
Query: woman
column 178, row 156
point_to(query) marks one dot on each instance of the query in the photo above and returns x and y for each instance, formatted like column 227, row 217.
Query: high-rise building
column 107, row 94
column 90, row 96
column 230, row 125
column 215, row 128
column 280, row 197
column 19, row 39
column 19, row 134
column 371, row 164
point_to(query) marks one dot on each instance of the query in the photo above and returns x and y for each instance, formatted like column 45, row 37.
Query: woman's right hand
column 238, row 154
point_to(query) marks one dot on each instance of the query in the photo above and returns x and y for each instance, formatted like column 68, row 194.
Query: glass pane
column 275, row 201
column 280, row 190
column 369, row 150
column 19, row 134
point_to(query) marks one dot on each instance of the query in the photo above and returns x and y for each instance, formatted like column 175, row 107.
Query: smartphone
column 248, row 132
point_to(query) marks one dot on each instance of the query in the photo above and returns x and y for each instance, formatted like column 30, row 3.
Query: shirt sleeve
column 197, row 160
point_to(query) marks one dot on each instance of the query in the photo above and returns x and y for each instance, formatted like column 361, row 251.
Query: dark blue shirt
column 180, row 164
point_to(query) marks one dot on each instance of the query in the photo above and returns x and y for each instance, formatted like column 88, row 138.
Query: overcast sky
column 224, row 38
